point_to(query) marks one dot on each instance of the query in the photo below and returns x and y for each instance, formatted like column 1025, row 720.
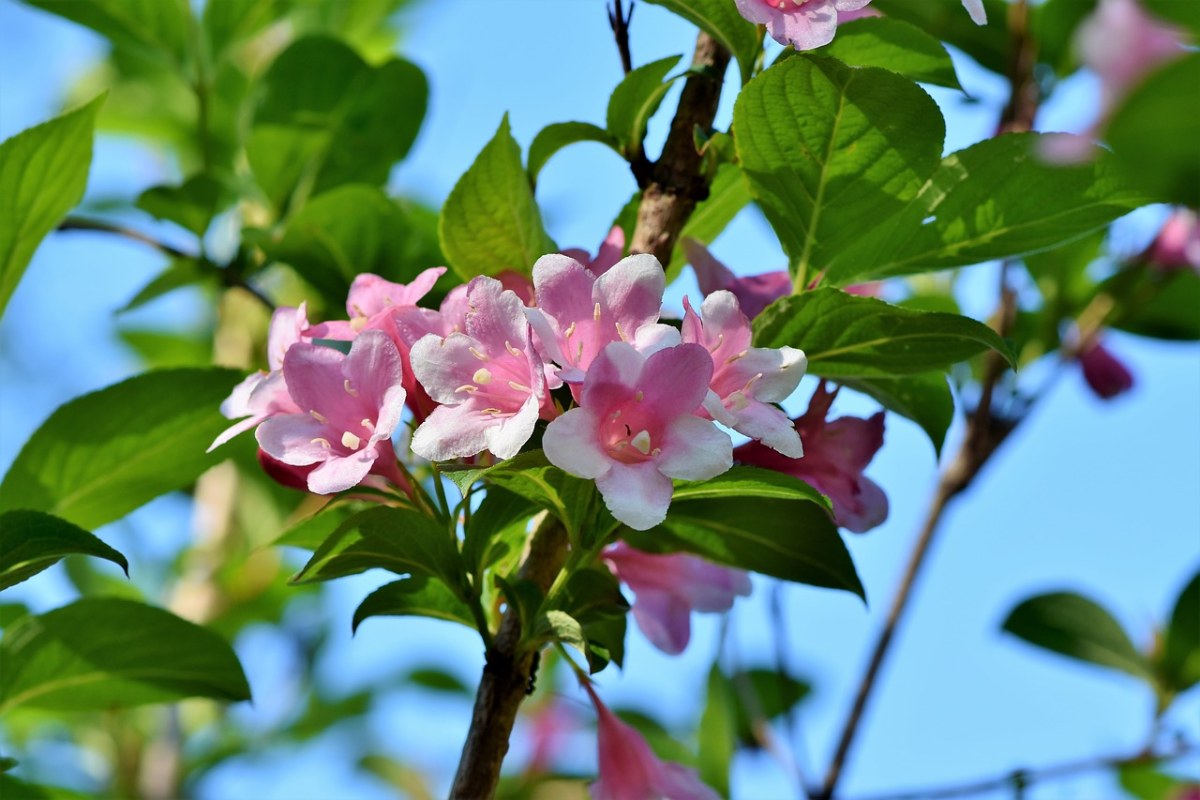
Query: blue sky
column 1096, row 497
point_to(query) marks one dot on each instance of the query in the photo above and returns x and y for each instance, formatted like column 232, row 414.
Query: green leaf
column 896, row 46
column 1156, row 304
column 946, row 20
column 191, row 205
column 401, row 540
column 830, row 150
column 157, row 349
column 438, row 680
column 7, row 763
column 728, row 195
column 1154, row 131
column 102, row 455
column 328, row 118
column 31, row 541
column 559, row 626
column 925, row 398
column 43, row 172
column 229, row 21
column 495, row 529
column 850, row 336
column 156, row 29
column 558, row 135
column 418, row 596
column 634, row 102
column 1053, row 24
column 995, row 199
column 344, row 232
column 102, row 653
column 757, row 520
column 763, row 695
column 311, row 531
column 490, row 222
column 1076, row 627
column 1146, row 782
column 10, row 787
column 179, row 273
column 1181, row 649
column 722, row 21
column 1182, row 13
column 718, row 732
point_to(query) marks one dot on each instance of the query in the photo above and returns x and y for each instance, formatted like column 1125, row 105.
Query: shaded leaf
column 1181, row 649
column 31, row 541
column 102, row 653
column 925, row 398
column 156, row 29
column 722, row 21
column 191, row 205
column 418, row 596
column 1076, row 627
column 893, row 45
column 718, row 732
column 634, row 101
column 179, row 273
column 102, row 455
column 558, row 135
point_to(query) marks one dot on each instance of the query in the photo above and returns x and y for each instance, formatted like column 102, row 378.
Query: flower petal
column 695, row 450
column 571, row 443
column 636, row 494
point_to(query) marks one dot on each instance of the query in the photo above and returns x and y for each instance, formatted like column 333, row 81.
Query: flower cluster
column 809, row 24
column 479, row 372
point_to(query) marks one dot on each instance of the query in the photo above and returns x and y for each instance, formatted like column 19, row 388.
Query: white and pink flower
column 746, row 380
column 349, row 406
column 803, row 24
column 636, row 428
column 488, row 380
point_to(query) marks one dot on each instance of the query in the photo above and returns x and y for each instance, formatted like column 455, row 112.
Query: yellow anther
column 477, row 354
column 366, row 423
column 520, row 387
column 641, row 442
column 640, row 396
column 350, row 390
column 482, row 377
column 321, row 441
column 570, row 331
column 512, row 351
column 351, row 441
column 467, row 387
column 596, row 313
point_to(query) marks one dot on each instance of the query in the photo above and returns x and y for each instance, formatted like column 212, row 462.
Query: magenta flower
column 746, row 380
column 263, row 394
column 629, row 770
column 835, row 455
column 350, row 405
column 579, row 313
column 669, row 588
column 753, row 293
column 635, row 429
column 1104, row 372
column 610, row 252
column 1177, row 245
column 488, row 379
column 803, row 24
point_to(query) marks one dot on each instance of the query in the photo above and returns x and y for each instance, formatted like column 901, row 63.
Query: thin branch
column 229, row 278
column 619, row 20
column 1025, row 777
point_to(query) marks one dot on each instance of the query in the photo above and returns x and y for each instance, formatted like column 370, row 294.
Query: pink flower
column 746, row 380
column 549, row 724
column 579, row 313
column 976, row 10
column 264, row 394
column 610, row 252
column 489, row 381
column 862, row 13
column 804, row 24
column 635, row 429
column 670, row 587
column 1104, row 372
column 350, row 405
column 835, row 455
column 629, row 770
column 1177, row 244
column 753, row 293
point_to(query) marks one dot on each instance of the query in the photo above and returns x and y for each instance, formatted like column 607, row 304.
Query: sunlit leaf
column 31, row 541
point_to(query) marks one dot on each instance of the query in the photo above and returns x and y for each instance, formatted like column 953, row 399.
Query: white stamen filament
column 512, row 351
column 351, row 441
column 736, row 356
column 350, row 390
column 366, row 423
column 477, row 354
column 520, row 387
column 467, row 387
column 570, row 331
column 621, row 334
column 322, row 441
column 318, row 416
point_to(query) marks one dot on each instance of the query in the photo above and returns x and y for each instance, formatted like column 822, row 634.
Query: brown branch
column 506, row 676
column 229, row 278
column 674, row 184
column 1024, row 777
column 618, row 20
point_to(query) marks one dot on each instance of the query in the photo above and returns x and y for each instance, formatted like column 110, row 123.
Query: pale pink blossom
column 803, row 24
column 549, row 725
column 263, row 394
column 349, row 407
column 629, row 769
column 1107, row 376
column 670, row 587
column 488, row 379
column 1177, row 245
column 835, row 455
column 754, row 293
column 861, row 13
column 746, row 380
column 976, row 10
column 579, row 313
column 635, row 429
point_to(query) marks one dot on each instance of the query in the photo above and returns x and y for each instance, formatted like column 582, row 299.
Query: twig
column 674, row 184
column 228, row 277
column 619, row 20
column 1024, row 777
